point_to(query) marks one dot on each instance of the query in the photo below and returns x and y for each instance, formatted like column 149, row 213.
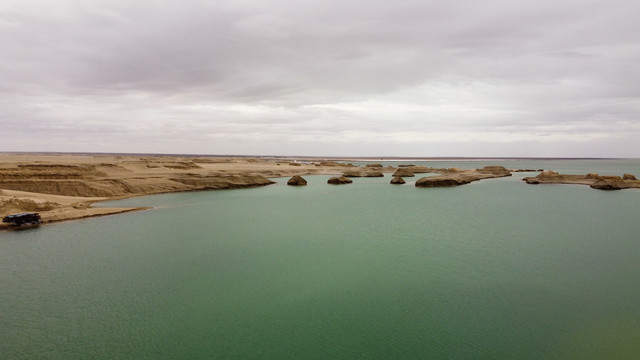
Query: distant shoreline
column 321, row 157
column 63, row 186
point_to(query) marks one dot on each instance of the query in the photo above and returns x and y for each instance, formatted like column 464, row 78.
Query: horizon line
column 334, row 157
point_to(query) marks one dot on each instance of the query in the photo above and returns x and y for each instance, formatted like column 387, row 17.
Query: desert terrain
column 64, row 186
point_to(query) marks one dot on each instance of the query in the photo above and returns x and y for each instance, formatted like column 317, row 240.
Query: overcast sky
column 304, row 77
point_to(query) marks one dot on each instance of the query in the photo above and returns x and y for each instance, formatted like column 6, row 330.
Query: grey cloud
column 252, row 66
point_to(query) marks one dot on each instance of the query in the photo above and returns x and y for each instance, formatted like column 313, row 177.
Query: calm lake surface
column 496, row 269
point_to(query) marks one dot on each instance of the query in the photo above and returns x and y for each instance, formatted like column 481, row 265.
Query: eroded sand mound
column 363, row 173
column 52, row 171
column 297, row 180
column 595, row 181
column 456, row 177
column 15, row 205
column 339, row 180
column 29, row 180
column 86, row 188
column 404, row 172
column 223, row 182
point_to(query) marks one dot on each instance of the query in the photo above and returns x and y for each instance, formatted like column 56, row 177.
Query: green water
column 496, row 269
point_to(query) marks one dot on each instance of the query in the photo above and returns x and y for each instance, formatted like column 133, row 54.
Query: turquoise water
column 496, row 269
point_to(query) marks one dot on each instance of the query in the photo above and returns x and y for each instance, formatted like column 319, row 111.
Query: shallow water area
column 495, row 269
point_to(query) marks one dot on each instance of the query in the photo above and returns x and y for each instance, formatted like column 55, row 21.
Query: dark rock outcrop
column 606, row 185
column 526, row 170
column 397, row 181
column 338, row 180
column 441, row 181
column 609, row 183
column 374, row 165
column 297, row 180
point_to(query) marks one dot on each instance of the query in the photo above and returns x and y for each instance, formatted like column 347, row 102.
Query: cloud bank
column 279, row 77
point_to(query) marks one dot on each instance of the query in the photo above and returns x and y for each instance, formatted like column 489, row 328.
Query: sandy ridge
column 64, row 186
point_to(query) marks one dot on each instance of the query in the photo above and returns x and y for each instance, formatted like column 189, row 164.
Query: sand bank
column 63, row 186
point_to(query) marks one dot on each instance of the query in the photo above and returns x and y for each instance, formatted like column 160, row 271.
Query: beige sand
column 63, row 186
column 595, row 181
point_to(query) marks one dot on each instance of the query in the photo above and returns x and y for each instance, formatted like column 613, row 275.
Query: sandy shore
column 63, row 186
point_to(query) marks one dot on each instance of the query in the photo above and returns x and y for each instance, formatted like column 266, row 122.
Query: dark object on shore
column 297, row 180
column 24, row 219
column 397, row 180
column 338, row 180
column 373, row 165
column 526, row 170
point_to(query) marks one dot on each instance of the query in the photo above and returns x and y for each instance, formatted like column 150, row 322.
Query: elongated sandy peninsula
column 63, row 186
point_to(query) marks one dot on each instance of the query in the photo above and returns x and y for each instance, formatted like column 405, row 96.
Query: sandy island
column 64, row 186
column 595, row 181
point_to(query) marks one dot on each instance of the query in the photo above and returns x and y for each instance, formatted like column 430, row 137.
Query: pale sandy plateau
column 64, row 186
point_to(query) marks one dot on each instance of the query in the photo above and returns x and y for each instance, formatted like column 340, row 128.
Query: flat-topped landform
column 595, row 181
column 63, row 186
column 456, row 177
column 366, row 172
